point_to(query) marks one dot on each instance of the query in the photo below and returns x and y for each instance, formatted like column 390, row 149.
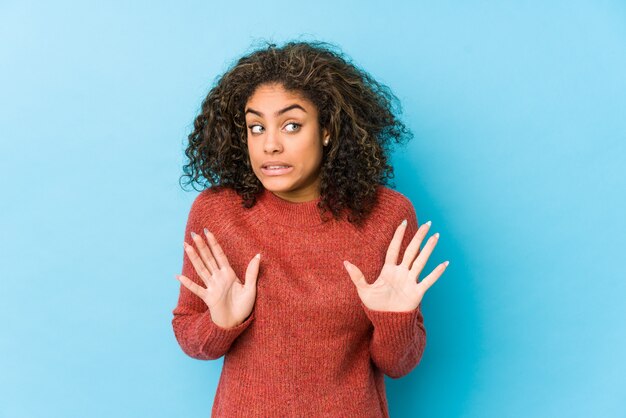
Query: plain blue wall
column 518, row 112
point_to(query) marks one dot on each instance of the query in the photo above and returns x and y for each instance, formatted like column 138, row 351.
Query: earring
column 326, row 142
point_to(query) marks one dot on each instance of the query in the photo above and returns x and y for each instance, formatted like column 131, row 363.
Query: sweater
column 310, row 347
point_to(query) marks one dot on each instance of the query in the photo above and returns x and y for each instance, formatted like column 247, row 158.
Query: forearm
column 398, row 340
column 200, row 338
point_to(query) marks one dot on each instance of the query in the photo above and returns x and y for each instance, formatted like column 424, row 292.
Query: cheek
column 253, row 152
column 253, row 156
column 314, row 152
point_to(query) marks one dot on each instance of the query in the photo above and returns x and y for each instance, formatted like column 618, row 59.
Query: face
column 283, row 130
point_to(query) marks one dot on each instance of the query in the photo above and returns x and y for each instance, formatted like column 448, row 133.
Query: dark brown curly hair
column 360, row 114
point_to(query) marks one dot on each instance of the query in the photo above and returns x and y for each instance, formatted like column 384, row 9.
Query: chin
column 275, row 186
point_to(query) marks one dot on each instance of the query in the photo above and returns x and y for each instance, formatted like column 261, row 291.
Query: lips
column 275, row 164
column 276, row 168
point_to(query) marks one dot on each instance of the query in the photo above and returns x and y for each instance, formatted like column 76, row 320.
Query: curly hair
column 360, row 114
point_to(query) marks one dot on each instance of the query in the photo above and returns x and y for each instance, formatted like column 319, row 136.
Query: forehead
column 272, row 95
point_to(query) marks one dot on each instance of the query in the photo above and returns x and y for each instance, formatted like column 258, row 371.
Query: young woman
column 301, row 265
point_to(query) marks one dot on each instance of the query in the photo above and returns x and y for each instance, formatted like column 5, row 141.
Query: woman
column 294, row 141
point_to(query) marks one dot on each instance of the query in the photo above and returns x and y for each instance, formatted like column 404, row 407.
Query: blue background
column 518, row 112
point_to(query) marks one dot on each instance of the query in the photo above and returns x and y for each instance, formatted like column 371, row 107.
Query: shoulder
column 214, row 197
column 392, row 204
column 213, row 204
column 390, row 209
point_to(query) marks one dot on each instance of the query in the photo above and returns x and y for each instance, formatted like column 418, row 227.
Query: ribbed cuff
column 395, row 326
column 220, row 338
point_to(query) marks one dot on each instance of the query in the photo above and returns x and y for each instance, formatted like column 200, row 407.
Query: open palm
column 229, row 300
column 397, row 288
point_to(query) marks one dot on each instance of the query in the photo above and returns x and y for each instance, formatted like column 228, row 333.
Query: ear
column 325, row 134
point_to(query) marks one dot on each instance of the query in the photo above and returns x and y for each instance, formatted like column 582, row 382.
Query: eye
column 297, row 126
column 251, row 127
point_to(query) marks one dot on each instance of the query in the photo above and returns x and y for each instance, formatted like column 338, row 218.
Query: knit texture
column 310, row 347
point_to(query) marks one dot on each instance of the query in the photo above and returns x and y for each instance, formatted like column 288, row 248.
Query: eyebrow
column 280, row 112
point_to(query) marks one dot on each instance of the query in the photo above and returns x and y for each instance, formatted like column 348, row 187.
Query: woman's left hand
column 397, row 288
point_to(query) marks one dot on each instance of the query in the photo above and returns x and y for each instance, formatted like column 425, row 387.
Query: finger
column 422, row 258
column 216, row 249
column 429, row 280
column 205, row 252
column 252, row 272
column 414, row 246
column 197, row 263
column 193, row 287
column 396, row 243
column 355, row 274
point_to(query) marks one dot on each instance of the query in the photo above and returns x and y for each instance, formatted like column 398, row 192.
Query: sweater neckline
column 285, row 212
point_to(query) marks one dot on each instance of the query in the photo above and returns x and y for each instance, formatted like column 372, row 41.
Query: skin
column 397, row 288
column 294, row 137
column 273, row 136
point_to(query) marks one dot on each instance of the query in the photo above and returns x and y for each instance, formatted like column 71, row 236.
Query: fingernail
column 404, row 222
column 193, row 234
column 258, row 255
column 428, row 223
column 446, row 263
column 206, row 231
column 436, row 235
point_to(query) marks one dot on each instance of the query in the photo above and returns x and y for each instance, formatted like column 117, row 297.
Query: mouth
column 276, row 170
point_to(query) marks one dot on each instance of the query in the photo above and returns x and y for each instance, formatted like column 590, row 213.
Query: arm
column 196, row 333
column 399, row 338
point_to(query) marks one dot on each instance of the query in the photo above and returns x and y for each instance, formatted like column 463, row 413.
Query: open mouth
column 276, row 170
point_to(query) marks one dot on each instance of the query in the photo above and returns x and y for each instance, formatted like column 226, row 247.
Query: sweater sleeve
column 399, row 338
column 196, row 333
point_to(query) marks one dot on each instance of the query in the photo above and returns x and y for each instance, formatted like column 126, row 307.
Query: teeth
column 273, row 167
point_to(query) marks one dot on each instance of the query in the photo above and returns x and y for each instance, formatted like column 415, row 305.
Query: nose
column 272, row 142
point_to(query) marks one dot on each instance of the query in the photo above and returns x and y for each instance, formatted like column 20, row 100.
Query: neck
column 288, row 212
column 310, row 192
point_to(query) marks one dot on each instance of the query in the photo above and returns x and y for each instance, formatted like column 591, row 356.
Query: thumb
column 252, row 272
column 356, row 275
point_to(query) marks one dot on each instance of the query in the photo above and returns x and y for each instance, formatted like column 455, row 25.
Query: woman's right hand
column 230, row 302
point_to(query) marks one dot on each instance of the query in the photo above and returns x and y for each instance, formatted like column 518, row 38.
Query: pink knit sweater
column 310, row 347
